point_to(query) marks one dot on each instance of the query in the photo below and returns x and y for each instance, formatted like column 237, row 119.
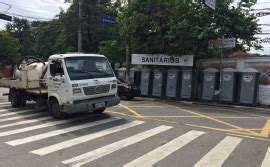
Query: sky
column 38, row 9
column 47, row 9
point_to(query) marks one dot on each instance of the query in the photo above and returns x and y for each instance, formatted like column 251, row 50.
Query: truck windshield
column 80, row 68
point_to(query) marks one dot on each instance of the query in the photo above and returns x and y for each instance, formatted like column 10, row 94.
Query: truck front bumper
column 89, row 105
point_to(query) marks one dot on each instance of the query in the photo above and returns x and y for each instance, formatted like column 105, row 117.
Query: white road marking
column 108, row 149
column 217, row 156
column 16, row 131
column 20, row 117
column 4, row 103
column 9, row 109
column 16, row 112
column 83, row 139
column 162, row 152
column 266, row 161
column 58, row 132
column 25, row 122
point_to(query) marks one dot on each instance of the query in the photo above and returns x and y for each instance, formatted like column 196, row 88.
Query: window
column 80, row 68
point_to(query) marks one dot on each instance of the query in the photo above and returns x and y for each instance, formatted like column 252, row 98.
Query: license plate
column 100, row 105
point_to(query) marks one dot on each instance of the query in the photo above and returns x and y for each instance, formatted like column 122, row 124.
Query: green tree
column 185, row 27
column 113, row 50
column 21, row 30
column 9, row 50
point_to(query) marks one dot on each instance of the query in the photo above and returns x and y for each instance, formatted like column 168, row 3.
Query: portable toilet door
column 158, row 84
column 185, row 90
column 172, row 84
column 249, row 84
column 145, row 82
column 228, row 85
column 210, row 83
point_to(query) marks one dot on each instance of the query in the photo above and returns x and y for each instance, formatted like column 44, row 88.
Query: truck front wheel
column 55, row 109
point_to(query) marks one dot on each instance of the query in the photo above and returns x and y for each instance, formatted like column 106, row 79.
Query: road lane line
column 211, row 118
column 217, row 156
column 59, row 132
column 266, row 129
column 26, row 122
column 108, row 149
column 83, row 139
column 20, row 117
column 45, row 125
column 266, row 161
column 130, row 110
column 16, row 112
column 162, row 152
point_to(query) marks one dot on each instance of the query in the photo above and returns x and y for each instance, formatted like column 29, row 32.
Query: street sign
column 229, row 43
column 225, row 43
column 108, row 20
column 261, row 14
column 5, row 17
column 215, row 42
column 211, row 4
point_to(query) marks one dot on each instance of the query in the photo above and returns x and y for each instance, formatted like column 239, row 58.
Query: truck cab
column 67, row 83
column 80, row 82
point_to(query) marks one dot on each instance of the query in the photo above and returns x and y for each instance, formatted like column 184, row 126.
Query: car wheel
column 99, row 111
column 55, row 109
column 130, row 97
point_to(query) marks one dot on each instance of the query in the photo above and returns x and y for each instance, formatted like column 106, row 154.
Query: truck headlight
column 77, row 91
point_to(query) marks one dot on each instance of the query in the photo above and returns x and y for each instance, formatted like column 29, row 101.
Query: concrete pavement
column 136, row 133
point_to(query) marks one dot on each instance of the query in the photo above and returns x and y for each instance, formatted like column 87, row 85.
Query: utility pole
column 80, row 28
column 128, row 52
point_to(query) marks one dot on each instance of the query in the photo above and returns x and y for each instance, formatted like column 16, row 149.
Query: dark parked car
column 127, row 90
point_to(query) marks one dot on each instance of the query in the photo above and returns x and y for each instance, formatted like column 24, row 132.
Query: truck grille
column 92, row 90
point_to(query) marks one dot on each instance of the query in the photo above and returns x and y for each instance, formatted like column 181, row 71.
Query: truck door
column 55, row 76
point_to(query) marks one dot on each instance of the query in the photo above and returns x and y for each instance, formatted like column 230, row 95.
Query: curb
column 262, row 108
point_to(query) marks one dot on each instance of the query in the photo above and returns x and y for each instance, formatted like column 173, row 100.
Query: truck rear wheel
column 14, row 98
column 55, row 109
column 17, row 98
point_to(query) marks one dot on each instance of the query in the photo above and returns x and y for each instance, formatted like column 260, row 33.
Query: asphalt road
column 136, row 133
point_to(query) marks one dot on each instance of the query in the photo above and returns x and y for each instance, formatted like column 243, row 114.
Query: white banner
column 165, row 60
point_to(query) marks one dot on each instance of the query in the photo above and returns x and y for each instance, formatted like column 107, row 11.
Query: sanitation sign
column 144, row 59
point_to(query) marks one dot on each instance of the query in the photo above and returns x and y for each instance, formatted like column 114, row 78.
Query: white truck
column 67, row 83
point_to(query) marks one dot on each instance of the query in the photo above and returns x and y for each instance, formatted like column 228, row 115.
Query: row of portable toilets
column 235, row 87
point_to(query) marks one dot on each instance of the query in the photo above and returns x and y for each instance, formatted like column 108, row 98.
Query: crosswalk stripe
column 20, row 117
column 26, row 122
column 100, row 152
column 58, row 132
column 162, row 152
column 217, row 156
column 266, row 161
column 4, row 103
column 15, row 113
column 82, row 139
column 16, row 131
column 10, row 109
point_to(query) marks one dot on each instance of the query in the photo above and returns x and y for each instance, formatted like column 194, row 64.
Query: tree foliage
column 21, row 30
column 9, row 48
column 185, row 27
